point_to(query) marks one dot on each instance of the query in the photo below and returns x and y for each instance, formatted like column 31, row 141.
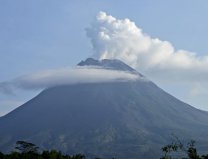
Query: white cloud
column 64, row 76
column 121, row 39
column 195, row 90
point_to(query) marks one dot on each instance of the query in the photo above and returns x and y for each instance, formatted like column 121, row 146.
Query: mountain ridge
column 113, row 64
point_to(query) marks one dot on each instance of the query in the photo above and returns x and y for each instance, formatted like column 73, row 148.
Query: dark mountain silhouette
column 131, row 119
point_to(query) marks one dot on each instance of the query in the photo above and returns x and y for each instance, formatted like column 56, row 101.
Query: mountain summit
column 131, row 119
column 107, row 64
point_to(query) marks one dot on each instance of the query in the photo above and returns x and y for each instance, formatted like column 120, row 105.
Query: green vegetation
column 26, row 147
column 44, row 155
column 26, row 150
column 177, row 150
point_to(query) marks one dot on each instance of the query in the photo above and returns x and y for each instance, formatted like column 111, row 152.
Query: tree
column 26, row 147
column 1, row 155
column 177, row 147
column 78, row 156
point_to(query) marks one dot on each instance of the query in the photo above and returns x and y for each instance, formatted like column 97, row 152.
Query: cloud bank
column 65, row 76
column 121, row 39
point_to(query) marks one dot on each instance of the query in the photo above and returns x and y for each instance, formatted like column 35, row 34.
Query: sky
column 41, row 35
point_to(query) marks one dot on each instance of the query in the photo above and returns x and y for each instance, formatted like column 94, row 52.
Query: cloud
column 6, row 88
column 65, row 76
column 121, row 39
column 195, row 90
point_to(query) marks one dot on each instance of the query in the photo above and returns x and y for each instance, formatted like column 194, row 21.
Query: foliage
column 176, row 149
column 53, row 154
column 28, row 150
column 26, row 147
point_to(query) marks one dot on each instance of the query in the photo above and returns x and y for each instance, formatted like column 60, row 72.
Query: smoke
column 121, row 39
column 66, row 76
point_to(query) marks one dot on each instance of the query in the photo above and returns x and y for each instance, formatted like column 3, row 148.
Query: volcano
column 122, row 119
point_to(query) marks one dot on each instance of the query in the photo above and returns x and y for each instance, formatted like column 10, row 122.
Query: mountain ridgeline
column 107, row 64
column 131, row 119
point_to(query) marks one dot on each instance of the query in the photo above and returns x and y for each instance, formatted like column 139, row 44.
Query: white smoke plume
column 121, row 39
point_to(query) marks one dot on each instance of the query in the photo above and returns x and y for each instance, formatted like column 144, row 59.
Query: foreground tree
column 26, row 147
column 177, row 149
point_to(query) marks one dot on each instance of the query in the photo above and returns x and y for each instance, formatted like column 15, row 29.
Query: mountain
column 107, row 64
column 131, row 119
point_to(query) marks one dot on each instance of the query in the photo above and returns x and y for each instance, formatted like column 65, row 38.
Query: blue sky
column 38, row 35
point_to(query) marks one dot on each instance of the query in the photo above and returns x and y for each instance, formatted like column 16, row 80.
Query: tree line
column 27, row 150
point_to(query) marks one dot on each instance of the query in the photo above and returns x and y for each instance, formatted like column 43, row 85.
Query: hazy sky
column 37, row 35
